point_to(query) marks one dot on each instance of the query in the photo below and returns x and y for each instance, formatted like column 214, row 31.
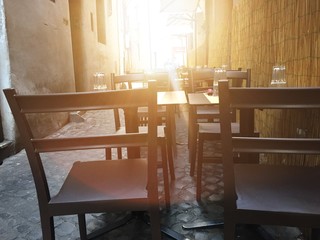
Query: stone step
column 6, row 149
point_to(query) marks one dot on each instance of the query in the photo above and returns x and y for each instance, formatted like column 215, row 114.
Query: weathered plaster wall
column 39, row 55
column 6, row 117
column 91, row 56
column 219, row 33
column 39, row 46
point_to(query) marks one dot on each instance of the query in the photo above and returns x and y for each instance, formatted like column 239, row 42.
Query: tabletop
column 202, row 99
column 172, row 98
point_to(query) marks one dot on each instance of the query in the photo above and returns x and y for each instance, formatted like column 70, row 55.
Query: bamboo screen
column 264, row 33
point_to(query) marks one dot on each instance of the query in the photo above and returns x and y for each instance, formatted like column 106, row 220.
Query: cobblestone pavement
column 19, row 214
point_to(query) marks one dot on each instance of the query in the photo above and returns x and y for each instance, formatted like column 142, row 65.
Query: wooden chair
column 138, row 80
column 211, row 131
column 201, row 80
column 126, row 81
column 91, row 186
column 263, row 193
column 163, row 84
column 163, row 80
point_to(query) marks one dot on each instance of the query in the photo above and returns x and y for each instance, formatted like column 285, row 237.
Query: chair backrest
column 139, row 80
column 162, row 78
column 128, row 81
column 259, row 99
column 201, row 79
column 27, row 109
column 239, row 78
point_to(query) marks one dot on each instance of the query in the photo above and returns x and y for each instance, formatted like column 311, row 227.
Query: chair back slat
column 276, row 145
column 67, row 102
column 85, row 143
column 273, row 98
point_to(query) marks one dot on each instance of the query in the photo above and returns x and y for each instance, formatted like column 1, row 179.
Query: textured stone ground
column 19, row 215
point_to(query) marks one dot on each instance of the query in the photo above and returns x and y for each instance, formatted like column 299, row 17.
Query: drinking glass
column 99, row 81
column 278, row 76
column 219, row 73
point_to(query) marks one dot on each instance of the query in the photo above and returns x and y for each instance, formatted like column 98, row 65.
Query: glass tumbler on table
column 278, row 76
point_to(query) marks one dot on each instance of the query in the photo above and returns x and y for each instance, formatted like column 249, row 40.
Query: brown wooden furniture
column 211, row 131
column 139, row 80
column 162, row 142
column 139, row 121
column 194, row 100
column 264, row 193
column 92, row 186
column 166, row 102
column 203, row 79
column 200, row 81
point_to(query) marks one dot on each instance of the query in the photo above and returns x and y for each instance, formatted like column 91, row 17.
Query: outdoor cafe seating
column 248, row 193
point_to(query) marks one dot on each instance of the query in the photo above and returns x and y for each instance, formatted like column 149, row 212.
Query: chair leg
column 165, row 174
column 119, row 152
column 155, row 223
column 47, row 226
column 108, row 154
column 193, row 150
column 199, row 168
column 170, row 156
column 315, row 234
column 229, row 231
column 82, row 226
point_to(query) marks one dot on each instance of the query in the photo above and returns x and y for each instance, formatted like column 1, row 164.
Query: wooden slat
column 89, row 142
column 60, row 102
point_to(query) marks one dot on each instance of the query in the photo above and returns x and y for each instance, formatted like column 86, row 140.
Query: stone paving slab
column 19, row 214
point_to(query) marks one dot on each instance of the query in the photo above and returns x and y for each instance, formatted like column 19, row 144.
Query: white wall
column 7, row 119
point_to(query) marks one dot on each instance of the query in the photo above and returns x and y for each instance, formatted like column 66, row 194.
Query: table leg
column 171, row 126
column 192, row 139
column 132, row 125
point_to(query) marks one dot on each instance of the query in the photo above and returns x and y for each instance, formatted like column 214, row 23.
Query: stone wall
column 39, row 43
column 46, row 51
column 93, row 54
column 39, row 56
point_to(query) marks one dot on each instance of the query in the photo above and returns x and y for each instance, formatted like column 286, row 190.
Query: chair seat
column 278, row 188
column 104, row 180
column 214, row 128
